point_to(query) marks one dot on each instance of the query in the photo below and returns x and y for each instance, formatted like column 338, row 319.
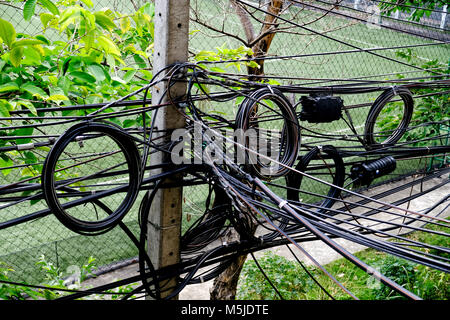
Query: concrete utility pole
column 171, row 45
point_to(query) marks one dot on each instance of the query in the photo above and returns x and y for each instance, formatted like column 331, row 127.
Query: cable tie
column 320, row 148
column 394, row 89
column 225, row 244
column 270, row 88
column 282, row 204
column 80, row 141
column 25, row 146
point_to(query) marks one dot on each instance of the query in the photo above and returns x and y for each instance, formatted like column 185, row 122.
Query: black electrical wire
column 240, row 188
column 293, row 180
column 370, row 135
column 266, row 277
column 127, row 148
column 247, row 119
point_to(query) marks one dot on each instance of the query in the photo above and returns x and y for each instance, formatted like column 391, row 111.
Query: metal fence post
column 171, row 45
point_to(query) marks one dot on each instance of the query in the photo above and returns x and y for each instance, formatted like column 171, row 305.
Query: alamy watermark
column 254, row 146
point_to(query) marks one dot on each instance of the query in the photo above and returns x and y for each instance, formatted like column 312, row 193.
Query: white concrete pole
column 171, row 45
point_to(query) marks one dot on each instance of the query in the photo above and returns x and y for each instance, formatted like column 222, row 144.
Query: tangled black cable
column 388, row 138
column 50, row 185
column 236, row 198
column 250, row 117
column 294, row 180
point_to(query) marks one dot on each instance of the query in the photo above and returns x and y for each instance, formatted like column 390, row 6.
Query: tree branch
column 261, row 48
column 245, row 20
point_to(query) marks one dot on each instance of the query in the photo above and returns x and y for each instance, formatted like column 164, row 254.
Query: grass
column 294, row 283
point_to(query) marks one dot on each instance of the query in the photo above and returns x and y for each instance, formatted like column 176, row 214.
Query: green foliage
column 76, row 70
column 289, row 279
column 430, row 109
column 294, row 283
column 99, row 56
column 55, row 278
column 417, row 8
column 72, row 279
column 10, row 291
column 236, row 57
column 398, row 270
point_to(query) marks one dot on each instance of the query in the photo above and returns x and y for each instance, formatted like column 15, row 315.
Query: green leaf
column 32, row 202
column 43, row 39
column 88, row 40
column 65, row 65
column 147, row 74
column 29, row 106
column 4, row 163
column 104, row 21
column 68, row 16
column 22, row 132
column 15, row 56
column 141, row 63
column 129, row 123
column 82, row 76
column 118, row 80
column 34, row 90
column 26, row 42
column 10, row 86
column 89, row 3
column 125, row 24
column 28, row 9
column 7, row 32
column 64, row 83
column 50, row 6
column 46, row 18
column 129, row 75
column 57, row 97
column 97, row 71
column 108, row 46
column 4, row 112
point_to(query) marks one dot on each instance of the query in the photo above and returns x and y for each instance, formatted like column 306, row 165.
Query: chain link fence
column 321, row 48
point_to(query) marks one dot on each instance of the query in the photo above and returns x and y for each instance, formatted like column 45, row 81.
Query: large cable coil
column 376, row 135
column 294, row 179
column 269, row 115
column 77, row 161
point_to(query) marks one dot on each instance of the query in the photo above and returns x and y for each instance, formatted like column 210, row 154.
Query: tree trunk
column 225, row 285
column 268, row 30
